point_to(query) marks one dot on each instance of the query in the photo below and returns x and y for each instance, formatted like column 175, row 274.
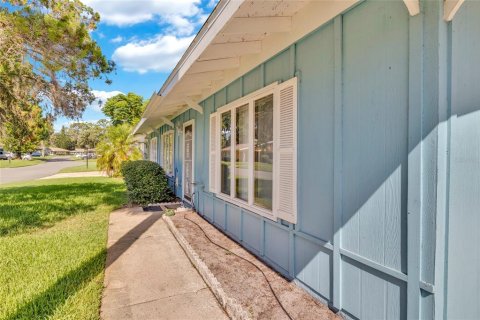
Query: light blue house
column 340, row 142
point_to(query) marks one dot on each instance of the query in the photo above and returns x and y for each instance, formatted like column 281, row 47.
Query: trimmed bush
column 146, row 182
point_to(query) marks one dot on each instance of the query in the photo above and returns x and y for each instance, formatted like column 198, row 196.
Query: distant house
column 77, row 151
column 57, row 151
column 339, row 142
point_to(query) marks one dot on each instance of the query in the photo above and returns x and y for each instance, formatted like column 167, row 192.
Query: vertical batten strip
column 443, row 165
column 338, row 163
column 414, row 188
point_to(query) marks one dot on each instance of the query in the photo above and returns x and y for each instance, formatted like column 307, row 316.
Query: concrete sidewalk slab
column 148, row 276
column 76, row 175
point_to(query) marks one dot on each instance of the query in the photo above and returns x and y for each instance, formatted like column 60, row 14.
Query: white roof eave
column 222, row 13
column 209, row 64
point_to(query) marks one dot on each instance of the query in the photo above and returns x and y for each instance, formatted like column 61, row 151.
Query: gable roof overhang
column 237, row 36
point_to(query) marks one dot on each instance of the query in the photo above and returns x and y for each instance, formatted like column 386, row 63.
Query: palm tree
column 116, row 147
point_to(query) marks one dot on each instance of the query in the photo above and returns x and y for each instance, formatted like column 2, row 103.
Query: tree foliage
column 47, row 56
column 24, row 130
column 124, row 108
column 85, row 134
column 63, row 140
column 117, row 147
column 80, row 135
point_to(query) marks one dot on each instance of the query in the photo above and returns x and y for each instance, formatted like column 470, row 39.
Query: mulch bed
column 243, row 281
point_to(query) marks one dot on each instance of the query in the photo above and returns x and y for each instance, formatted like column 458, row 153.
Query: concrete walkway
column 76, row 175
column 148, row 276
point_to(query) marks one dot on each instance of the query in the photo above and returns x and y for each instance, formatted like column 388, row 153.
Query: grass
column 20, row 163
column 17, row 163
column 53, row 237
column 92, row 166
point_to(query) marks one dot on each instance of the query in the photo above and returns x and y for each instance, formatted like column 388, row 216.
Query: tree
column 47, row 56
column 117, row 147
column 90, row 136
column 86, row 134
column 103, row 123
column 124, row 108
column 24, row 130
column 63, row 140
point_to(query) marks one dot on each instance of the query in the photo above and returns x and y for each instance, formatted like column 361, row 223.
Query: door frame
column 186, row 124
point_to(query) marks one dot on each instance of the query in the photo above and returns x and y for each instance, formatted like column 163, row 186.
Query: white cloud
column 127, row 12
column 159, row 54
column 180, row 26
column 100, row 99
column 117, row 39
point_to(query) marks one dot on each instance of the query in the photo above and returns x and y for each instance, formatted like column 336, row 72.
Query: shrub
column 146, row 182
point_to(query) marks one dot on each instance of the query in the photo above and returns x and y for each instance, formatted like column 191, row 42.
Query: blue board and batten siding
column 388, row 163
column 463, row 269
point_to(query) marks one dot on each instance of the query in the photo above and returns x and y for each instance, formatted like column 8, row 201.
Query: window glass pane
column 263, row 152
column 225, row 146
column 241, row 153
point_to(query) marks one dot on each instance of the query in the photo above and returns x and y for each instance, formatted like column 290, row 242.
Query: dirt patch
column 246, row 281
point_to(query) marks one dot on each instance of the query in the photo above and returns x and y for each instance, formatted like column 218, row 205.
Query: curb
column 230, row 305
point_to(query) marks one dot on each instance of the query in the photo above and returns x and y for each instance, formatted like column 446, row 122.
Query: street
column 51, row 166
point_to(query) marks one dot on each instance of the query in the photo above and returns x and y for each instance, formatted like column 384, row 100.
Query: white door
column 188, row 160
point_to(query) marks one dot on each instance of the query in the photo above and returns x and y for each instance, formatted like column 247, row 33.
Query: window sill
column 242, row 204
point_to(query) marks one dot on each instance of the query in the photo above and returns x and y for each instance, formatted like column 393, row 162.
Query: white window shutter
column 213, row 153
column 286, row 151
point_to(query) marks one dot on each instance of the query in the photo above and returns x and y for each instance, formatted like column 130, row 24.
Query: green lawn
column 53, row 237
column 19, row 163
column 92, row 166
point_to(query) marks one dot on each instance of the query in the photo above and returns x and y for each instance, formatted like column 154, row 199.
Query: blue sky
column 145, row 38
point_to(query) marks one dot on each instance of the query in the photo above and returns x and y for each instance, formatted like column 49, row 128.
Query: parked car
column 89, row 156
column 3, row 155
column 36, row 154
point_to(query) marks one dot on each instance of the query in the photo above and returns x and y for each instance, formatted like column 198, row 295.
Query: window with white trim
column 153, row 149
column 167, row 152
column 253, row 151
